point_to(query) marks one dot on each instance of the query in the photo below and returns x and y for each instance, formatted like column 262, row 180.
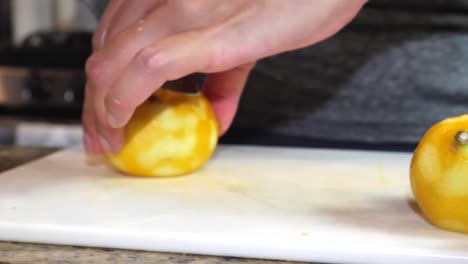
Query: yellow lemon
column 170, row 134
column 439, row 174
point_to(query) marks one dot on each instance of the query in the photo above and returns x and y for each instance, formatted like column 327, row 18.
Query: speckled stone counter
column 41, row 254
column 12, row 156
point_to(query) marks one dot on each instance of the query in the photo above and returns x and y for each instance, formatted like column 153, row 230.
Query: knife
column 191, row 84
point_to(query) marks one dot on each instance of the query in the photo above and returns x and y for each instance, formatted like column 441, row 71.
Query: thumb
column 224, row 90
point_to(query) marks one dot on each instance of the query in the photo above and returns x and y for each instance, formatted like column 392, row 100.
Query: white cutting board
column 262, row 202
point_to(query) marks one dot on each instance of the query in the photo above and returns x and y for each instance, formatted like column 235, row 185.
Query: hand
column 143, row 43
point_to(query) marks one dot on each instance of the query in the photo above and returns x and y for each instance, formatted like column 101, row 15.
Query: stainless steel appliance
column 45, row 73
column 5, row 22
column 42, row 71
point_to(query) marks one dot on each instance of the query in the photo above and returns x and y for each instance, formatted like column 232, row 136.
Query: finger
column 91, row 146
column 90, row 136
column 98, row 138
column 109, row 140
column 172, row 58
column 130, row 13
column 224, row 90
column 103, row 67
column 107, row 17
column 99, row 73
column 148, row 70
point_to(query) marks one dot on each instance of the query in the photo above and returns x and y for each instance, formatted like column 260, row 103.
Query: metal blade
column 190, row 84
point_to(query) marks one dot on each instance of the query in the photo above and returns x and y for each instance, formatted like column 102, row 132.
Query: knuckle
column 94, row 68
column 151, row 59
column 92, row 64
column 223, row 55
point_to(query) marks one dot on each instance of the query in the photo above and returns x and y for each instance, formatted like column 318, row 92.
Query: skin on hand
column 141, row 44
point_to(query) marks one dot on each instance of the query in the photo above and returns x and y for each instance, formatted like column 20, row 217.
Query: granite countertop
column 41, row 254
column 12, row 156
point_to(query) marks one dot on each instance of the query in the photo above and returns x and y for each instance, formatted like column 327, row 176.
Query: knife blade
column 191, row 84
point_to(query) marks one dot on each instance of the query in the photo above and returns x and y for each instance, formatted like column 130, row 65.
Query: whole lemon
column 170, row 134
column 439, row 174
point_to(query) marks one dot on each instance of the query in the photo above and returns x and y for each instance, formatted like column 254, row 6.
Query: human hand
column 141, row 44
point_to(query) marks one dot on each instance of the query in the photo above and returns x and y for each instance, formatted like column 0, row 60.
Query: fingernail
column 113, row 121
column 105, row 144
